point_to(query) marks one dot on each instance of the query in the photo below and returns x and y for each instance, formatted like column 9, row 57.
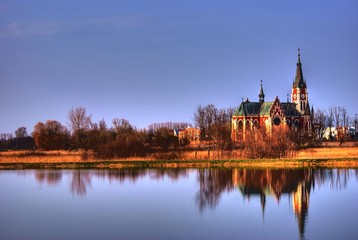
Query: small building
column 189, row 133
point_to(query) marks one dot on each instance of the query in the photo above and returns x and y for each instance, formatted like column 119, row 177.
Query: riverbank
column 259, row 163
column 333, row 156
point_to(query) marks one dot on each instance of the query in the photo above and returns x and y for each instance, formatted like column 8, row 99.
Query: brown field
column 328, row 153
column 329, row 156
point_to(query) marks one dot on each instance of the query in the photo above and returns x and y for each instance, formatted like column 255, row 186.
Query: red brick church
column 295, row 114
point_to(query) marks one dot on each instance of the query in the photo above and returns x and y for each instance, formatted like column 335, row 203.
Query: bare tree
column 79, row 123
column 345, row 117
column 199, row 121
column 345, row 122
column 320, row 120
column 122, row 126
column 78, row 119
column 329, row 119
column 102, row 125
column 222, row 129
column 21, row 132
column 210, row 115
column 337, row 111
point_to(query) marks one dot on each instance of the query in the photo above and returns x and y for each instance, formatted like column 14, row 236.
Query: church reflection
column 295, row 183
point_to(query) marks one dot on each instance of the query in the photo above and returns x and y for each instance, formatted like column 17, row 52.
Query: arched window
column 247, row 125
column 296, row 124
column 256, row 124
column 240, row 125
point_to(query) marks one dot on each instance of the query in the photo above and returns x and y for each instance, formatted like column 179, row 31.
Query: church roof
column 299, row 81
column 252, row 109
column 308, row 110
column 290, row 109
column 257, row 109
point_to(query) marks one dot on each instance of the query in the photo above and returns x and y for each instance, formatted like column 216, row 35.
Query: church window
column 303, row 106
column 247, row 127
column 277, row 121
column 240, row 125
column 296, row 123
column 256, row 124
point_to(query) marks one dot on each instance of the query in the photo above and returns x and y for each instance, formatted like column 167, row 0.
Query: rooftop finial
column 299, row 55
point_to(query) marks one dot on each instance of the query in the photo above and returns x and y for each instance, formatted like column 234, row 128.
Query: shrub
column 280, row 143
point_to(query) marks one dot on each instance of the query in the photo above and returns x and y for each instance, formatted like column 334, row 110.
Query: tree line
column 122, row 139
column 335, row 116
column 119, row 140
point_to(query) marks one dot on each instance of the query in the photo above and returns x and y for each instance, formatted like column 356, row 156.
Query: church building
column 295, row 114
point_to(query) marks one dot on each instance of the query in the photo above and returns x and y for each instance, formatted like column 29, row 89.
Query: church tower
column 299, row 93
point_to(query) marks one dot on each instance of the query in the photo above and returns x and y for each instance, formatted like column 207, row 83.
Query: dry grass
column 332, row 156
column 40, row 156
column 328, row 153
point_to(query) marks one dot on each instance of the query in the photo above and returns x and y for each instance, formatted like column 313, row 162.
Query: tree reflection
column 134, row 174
column 51, row 177
column 80, row 181
column 212, row 182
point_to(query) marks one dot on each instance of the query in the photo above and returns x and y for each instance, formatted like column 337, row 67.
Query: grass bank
column 333, row 157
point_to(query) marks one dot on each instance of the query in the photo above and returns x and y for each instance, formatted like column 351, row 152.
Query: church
column 295, row 114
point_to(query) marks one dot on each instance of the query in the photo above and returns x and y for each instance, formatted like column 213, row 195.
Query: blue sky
column 156, row 60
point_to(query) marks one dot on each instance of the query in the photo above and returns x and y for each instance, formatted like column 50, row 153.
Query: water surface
column 179, row 204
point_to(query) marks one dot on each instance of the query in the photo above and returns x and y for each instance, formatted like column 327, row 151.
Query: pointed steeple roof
column 261, row 94
column 299, row 82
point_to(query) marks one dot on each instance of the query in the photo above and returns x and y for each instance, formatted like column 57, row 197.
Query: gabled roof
column 253, row 109
column 290, row 109
column 308, row 110
column 256, row 109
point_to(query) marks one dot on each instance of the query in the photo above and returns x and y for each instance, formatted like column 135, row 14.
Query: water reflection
column 81, row 179
column 297, row 184
column 51, row 177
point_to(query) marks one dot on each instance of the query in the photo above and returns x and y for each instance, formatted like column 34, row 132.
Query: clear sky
column 157, row 60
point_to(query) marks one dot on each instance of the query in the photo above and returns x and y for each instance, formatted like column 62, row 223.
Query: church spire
column 299, row 81
column 261, row 94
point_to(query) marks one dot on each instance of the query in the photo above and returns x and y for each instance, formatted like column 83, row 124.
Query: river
column 179, row 204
